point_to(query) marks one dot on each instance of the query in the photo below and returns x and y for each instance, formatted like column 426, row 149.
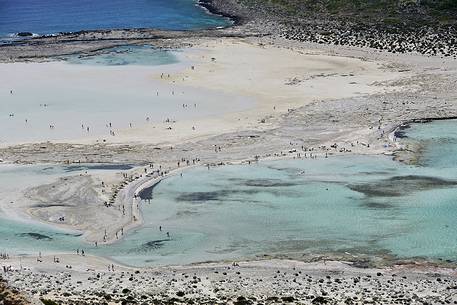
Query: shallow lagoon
column 356, row 204
column 145, row 55
column 120, row 86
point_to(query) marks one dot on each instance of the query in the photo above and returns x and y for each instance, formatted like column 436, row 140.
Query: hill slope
column 425, row 26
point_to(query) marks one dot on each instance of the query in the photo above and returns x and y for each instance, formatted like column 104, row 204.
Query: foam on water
column 357, row 204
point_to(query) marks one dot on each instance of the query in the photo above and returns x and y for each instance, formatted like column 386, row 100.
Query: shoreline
column 143, row 182
column 220, row 9
column 217, row 10
column 411, row 155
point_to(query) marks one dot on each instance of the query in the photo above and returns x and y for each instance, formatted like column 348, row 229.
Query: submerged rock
column 25, row 34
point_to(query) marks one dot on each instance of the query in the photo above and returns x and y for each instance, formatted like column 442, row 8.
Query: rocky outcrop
column 10, row 296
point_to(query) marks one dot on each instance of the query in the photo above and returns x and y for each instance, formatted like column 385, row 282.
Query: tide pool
column 52, row 16
column 366, row 205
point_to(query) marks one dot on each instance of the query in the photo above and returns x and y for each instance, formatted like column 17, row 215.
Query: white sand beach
column 232, row 85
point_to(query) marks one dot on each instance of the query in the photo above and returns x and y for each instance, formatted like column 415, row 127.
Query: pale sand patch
column 276, row 78
column 282, row 77
column 243, row 84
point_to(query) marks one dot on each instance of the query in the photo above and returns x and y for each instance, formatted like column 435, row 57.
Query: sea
column 55, row 16
column 361, row 206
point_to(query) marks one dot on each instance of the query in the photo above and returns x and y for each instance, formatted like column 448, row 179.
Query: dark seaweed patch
column 268, row 183
column 228, row 195
column 401, row 185
column 203, row 196
column 376, row 205
column 146, row 193
column 375, row 173
column 69, row 234
column 72, row 168
column 151, row 245
column 36, row 236
column 184, row 213
column 262, row 182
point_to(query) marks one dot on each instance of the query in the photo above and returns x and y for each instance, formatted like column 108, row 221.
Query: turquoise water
column 356, row 204
column 54, row 16
column 127, row 55
column 440, row 143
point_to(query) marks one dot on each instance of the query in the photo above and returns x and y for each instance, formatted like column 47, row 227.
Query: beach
column 266, row 93
column 227, row 100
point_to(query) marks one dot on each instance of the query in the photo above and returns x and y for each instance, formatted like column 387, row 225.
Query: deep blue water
column 54, row 16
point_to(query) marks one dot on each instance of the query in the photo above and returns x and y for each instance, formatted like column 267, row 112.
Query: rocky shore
column 11, row 296
column 243, row 283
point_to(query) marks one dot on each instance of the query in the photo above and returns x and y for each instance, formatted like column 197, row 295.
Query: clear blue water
column 54, row 16
column 357, row 204
column 126, row 55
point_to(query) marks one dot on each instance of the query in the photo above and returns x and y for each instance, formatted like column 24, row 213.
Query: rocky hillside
column 387, row 12
column 10, row 296
column 425, row 26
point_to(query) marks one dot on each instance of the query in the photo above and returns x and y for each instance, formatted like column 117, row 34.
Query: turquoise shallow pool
column 357, row 204
column 127, row 55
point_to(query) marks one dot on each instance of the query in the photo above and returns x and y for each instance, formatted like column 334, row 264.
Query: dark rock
column 24, row 34
column 319, row 300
